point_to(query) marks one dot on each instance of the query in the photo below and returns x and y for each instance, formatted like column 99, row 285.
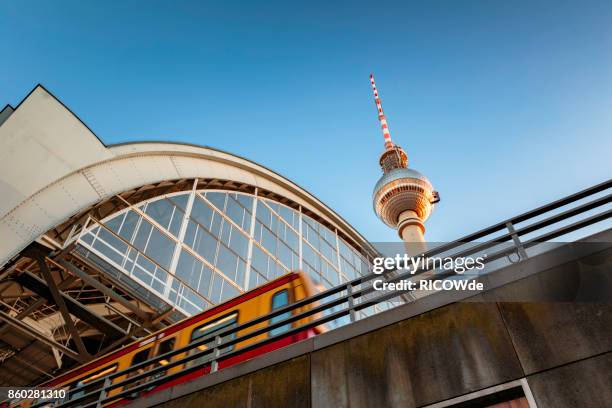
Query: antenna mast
column 381, row 116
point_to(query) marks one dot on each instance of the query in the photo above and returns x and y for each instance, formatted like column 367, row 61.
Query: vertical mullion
column 180, row 238
column 338, row 256
column 247, row 274
column 301, row 239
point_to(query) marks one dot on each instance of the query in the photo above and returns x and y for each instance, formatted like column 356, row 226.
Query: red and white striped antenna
column 381, row 116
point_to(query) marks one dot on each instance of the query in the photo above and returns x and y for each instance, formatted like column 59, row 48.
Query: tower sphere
column 399, row 190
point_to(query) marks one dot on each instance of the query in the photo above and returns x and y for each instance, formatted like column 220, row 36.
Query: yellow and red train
column 258, row 302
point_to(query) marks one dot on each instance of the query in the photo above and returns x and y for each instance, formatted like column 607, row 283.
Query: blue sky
column 505, row 106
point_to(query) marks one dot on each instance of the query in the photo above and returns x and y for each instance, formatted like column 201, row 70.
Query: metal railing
column 342, row 301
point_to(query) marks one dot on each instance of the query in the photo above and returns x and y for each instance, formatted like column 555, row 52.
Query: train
column 278, row 293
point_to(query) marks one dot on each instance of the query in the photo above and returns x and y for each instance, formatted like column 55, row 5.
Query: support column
column 411, row 230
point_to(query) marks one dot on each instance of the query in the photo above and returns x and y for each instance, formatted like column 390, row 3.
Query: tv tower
column 403, row 198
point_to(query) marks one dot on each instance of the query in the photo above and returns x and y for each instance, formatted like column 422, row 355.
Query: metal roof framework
column 59, row 309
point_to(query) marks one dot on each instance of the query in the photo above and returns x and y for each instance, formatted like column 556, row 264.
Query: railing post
column 104, row 393
column 216, row 353
column 517, row 242
column 351, row 302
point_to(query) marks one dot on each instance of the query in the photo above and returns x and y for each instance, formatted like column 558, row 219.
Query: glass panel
column 142, row 235
column 268, row 240
column 189, row 269
column 205, row 245
column 129, row 225
column 215, row 290
column 235, row 211
column 226, row 230
column 108, row 251
column 165, row 346
column 240, row 273
column 255, row 279
column 180, row 201
column 160, row 248
column 279, row 300
column 292, row 240
column 263, row 214
column 115, row 223
column 210, row 330
column 245, row 200
column 215, row 227
column 217, row 199
column 229, row 291
column 88, row 238
column 285, row 255
column 289, row 215
column 239, row 243
column 201, row 212
column 190, row 233
column 259, row 260
column 139, row 357
column 160, row 211
column 205, row 280
column 112, row 240
column 177, row 220
column 227, row 262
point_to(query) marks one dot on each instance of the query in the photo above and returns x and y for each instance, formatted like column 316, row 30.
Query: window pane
column 280, row 299
column 218, row 199
column 205, row 245
column 142, row 235
column 112, row 240
column 106, row 250
column 209, row 330
column 177, row 220
column 268, row 240
column 234, row 211
column 263, row 214
column 201, row 212
column 239, row 243
column 189, row 269
column 160, row 211
column 129, row 225
column 240, row 274
column 180, row 201
column 114, row 223
column 160, row 248
column 245, row 200
column 215, row 290
column 227, row 262
column 190, row 233
column 260, row 260
column 229, row 291
column 204, row 285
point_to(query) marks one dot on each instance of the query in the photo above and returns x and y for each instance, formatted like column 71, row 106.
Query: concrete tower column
column 411, row 230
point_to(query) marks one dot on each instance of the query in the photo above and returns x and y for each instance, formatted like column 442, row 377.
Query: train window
column 280, row 299
column 212, row 328
column 141, row 356
column 165, row 346
column 81, row 384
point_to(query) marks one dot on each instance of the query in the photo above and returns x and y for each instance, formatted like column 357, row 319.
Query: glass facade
column 196, row 249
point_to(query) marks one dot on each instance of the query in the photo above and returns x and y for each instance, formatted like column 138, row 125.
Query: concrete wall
column 552, row 327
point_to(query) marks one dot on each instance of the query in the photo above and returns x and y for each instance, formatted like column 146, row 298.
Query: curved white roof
column 52, row 166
